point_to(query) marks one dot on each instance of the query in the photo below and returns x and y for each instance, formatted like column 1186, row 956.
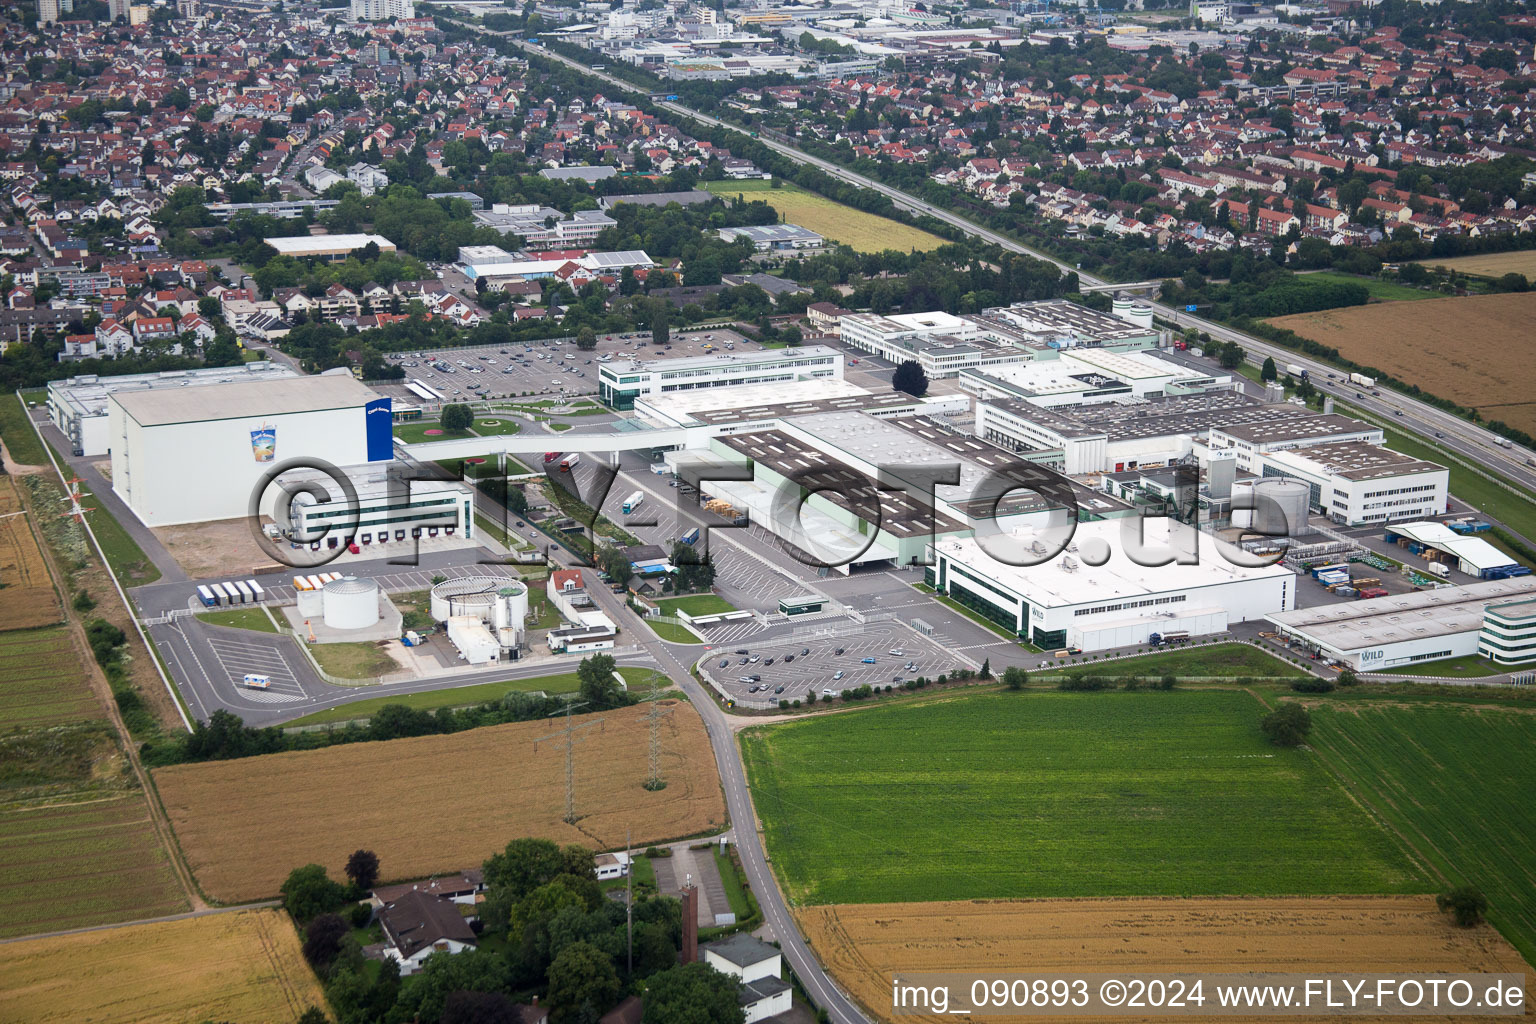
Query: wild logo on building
column 264, row 443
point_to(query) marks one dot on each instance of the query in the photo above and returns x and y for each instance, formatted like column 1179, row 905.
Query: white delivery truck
column 256, row 681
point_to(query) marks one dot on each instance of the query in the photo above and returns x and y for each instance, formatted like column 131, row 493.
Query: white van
column 256, row 681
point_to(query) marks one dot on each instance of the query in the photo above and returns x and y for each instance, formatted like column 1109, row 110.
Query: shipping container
column 206, row 596
column 691, row 537
column 221, row 593
column 256, row 589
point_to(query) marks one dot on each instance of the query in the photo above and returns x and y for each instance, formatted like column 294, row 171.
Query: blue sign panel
column 381, row 437
column 1190, row 309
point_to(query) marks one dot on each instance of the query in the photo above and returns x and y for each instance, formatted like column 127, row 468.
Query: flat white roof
column 1399, row 618
column 301, row 244
column 1472, row 550
column 277, row 397
column 676, row 406
column 89, row 393
column 1065, row 580
column 720, row 360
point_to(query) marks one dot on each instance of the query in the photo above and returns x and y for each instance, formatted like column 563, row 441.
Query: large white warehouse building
column 1066, row 602
column 196, row 454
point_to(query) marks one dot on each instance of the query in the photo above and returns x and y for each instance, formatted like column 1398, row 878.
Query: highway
column 1461, row 437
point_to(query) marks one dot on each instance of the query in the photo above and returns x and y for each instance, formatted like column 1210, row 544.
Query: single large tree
column 457, row 418
column 694, row 571
column 1268, row 371
column 909, row 377
column 322, row 939
column 1287, row 725
column 598, row 687
column 661, row 327
column 586, row 339
column 582, row 984
column 695, row 993
column 308, row 892
column 363, row 869
column 1466, row 904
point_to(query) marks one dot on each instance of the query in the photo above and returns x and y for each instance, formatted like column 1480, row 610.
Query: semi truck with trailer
column 1362, row 380
column 633, row 502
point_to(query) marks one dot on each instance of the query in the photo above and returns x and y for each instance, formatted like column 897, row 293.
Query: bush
column 1348, row 678
column 1287, row 725
column 361, row 915
column 1167, row 683
column 1466, row 904
column 1312, row 684
column 83, row 601
column 309, row 892
column 322, row 939
column 1083, row 683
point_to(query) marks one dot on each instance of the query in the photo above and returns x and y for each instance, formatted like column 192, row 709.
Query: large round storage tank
column 472, row 595
column 1122, row 305
column 311, row 604
column 1281, row 507
column 1141, row 314
column 351, row 603
column 512, row 606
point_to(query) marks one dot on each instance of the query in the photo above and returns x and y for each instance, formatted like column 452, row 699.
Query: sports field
column 1456, row 782
column 71, row 865
column 864, row 945
column 1476, row 350
column 1050, row 794
column 241, row 966
column 1491, row 264
column 42, row 681
column 866, row 232
column 437, row 803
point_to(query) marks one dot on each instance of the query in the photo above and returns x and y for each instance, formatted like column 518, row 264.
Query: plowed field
column 27, row 596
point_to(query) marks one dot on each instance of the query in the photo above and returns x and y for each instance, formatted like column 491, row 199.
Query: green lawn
column 1382, row 291
column 698, row 604
column 1228, row 660
column 240, row 618
column 1049, row 794
column 363, row 660
column 673, row 634
column 431, row 700
column 1456, row 782
column 416, row 432
column 127, row 559
column 1470, row 667
column 489, row 428
column 731, row 881
column 19, row 436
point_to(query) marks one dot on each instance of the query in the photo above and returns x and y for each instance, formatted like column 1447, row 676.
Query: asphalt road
column 1465, row 438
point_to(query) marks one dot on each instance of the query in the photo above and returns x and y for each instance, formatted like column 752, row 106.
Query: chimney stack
column 690, row 922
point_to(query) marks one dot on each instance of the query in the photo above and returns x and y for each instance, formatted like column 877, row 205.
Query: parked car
column 788, row 658
column 755, row 658
column 837, row 675
column 768, row 662
column 869, row 661
column 894, row 652
column 838, row 651
column 778, row 689
column 806, row 650
column 726, row 663
column 742, row 650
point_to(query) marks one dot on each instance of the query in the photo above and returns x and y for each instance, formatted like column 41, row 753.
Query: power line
column 570, row 739
column 653, row 715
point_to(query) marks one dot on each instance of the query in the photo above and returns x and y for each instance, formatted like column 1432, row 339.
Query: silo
column 512, row 606
column 351, row 603
column 1141, row 315
column 1281, row 507
column 311, row 603
column 1123, row 305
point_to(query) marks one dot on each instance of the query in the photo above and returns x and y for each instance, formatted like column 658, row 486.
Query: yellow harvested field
column 1490, row 264
column 865, row 945
column 865, row 232
column 27, row 595
column 1479, row 350
column 437, row 803
column 241, row 966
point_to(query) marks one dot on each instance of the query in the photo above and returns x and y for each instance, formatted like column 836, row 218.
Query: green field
column 489, row 428
column 698, row 604
column 1456, row 783
column 42, row 681
column 17, row 431
column 1469, row 667
column 431, row 700
column 72, row 865
column 1381, row 291
column 1226, row 660
column 127, row 560
column 415, row 432
column 240, row 618
column 1047, row 794
column 866, row 232
column 673, row 634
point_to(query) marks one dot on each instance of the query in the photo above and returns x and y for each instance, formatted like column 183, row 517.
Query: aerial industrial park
column 643, row 512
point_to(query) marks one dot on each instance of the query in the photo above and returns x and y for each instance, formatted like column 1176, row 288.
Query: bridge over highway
column 536, row 444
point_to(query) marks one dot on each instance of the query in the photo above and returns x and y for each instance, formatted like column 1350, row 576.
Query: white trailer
column 1295, row 370
column 257, row 590
column 221, row 593
column 1362, row 380
column 247, row 596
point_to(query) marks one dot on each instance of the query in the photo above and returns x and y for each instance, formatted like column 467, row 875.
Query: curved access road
column 1459, row 436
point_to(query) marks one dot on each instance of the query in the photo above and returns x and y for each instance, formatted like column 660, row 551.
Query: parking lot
column 548, row 368
column 800, row 673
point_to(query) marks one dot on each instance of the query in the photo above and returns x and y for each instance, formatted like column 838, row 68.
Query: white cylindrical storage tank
column 351, row 603
column 514, row 602
column 1122, row 305
column 471, row 595
column 1141, row 315
column 311, row 603
column 1281, row 507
